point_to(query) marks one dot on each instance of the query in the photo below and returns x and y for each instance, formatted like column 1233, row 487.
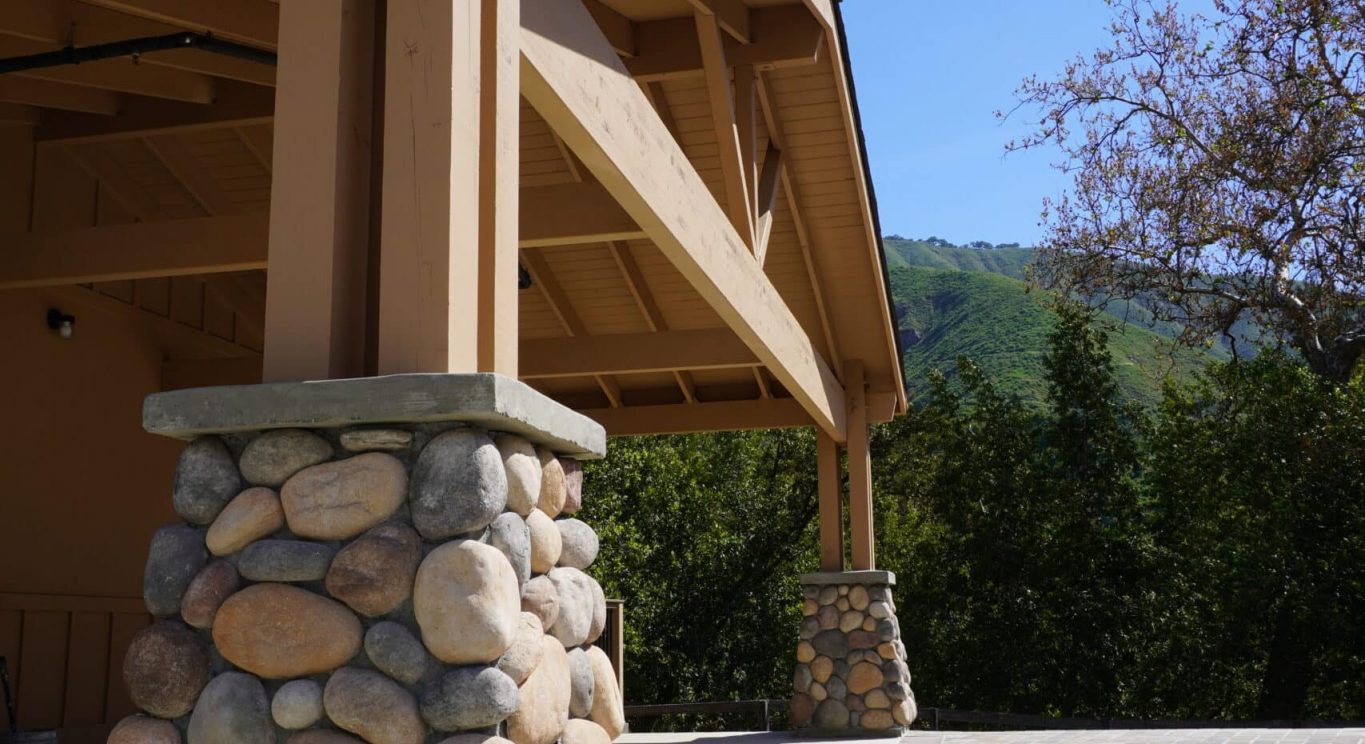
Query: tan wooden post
column 319, row 198
column 831, row 503
column 859, row 469
column 448, row 258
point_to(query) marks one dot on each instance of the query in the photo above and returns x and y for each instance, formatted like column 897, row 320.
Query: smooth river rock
column 285, row 560
column 176, row 556
column 373, row 707
column 579, row 731
column 341, row 499
column 553, row 489
column 573, row 485
column 396, row 652
column 372, row 440
column 523, row 472
column 544, row 708
column 373, row 575
column 297, row 704
column 581, row 683
column 607, row 708
column 540, row 598
column 137, row 729
column 466, row 602
column 575, row 620
column 524, row 655
column 459, row 485
column 206, row 479
column 249, row 516
column 510, row 534
column 277, row 631
column 475, row 739
column 546, row 544
column 164, row 669
column 323, row 736
column 599, row 611
column 232, row 709
column 469, row 697
column 207, row 592
column 271, row 458
column 579, row 544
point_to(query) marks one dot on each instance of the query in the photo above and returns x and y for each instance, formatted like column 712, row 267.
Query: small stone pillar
column 851, row 677
column 390, row 560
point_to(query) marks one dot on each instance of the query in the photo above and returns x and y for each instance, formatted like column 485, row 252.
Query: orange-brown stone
column 863, row 677
column 277, row 631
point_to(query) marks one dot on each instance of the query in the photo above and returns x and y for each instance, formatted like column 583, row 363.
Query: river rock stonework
column 342, row 584
column 851, row 675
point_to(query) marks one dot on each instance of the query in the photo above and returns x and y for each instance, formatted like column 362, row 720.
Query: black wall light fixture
column 62, row 323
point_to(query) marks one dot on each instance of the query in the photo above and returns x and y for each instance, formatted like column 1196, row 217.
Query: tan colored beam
column 784, row 36
column 544, row 281
column 633, row 353
column 141, row 250
column 499, row 179
column 319, row 200
column 236, row 105
column 649, row 308
column 859, row 471
column 574, row 79
column 254, row 22
column 723, row 120
column 766, row 200
column 260, row 140
column 831, row 503
column 54, row 95
column 731, row 15
column 573, row 213
column 181, row 163
column 618, row 29
column 684, row 418
column 112, row 176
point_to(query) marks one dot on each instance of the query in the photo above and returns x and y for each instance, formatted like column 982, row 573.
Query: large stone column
column 391, row 560
column 851, row 675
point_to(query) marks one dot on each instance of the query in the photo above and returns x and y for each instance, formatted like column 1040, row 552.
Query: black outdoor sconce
column 63, row 324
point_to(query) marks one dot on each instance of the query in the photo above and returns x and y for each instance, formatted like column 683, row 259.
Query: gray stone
column 297, row 704
column 458, row 485
column 523, row 472
column 396, row 652
column 879, row 609
column 574, row 623
column 137, row 729
column 581, row 682
column 469, row 697
column 285, row 561
column 164, row 669
column 232, row 709
column 372, row 706
column 579, row 544
column 802, row 678
column 831, row 714
column 895, row 672
column 837, row 688
column 510, row 534
column 373, row 574
column 848, row 578
column 526, row 651
column 831, row 643
column 206, row 479
column 488, row 400
column 176, row 556
column 271, row 458
column 207, row 592
column 573, row 485
column 809, row 627
column 888, row 630
column 376, row 440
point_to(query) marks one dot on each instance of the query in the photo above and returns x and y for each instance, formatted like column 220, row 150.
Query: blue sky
column 931, row 74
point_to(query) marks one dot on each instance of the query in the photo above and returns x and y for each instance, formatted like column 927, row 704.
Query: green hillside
column 935, row 253
column 1002, row 326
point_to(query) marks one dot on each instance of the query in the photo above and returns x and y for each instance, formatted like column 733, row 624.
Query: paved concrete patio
column 1142, row 736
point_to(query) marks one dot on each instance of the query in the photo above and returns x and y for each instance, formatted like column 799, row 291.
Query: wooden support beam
column 783, row 36
column 141, row 250
column 448, row 258
column 255, row 22
column 723, row 120
column 618, row 29
column 571, row 214
column 176, row 337
column 577, row 83
column 13, row 113
column 260, row 140
column 859, row 470
column 236, row 105
column 746, row 126
column 54, row 95
column 112, row 176
column 181, row 163
column 682, row 418
column 544, row 280
column 120, row 75
column 768, row 182
column 632, row 353
column 831, row 503
column 319, row 200
column 250, row 310
column 731, row 15
column 649, row 307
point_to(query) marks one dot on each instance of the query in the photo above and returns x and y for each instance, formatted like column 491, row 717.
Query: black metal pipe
column 73, row 55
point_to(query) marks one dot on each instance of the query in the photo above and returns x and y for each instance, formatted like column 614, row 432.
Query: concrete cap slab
column 827, row 578
column 487, row 400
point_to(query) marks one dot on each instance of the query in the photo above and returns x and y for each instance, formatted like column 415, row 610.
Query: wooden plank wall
column 65, row 654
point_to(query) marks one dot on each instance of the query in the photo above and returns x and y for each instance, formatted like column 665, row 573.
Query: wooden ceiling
column 186, row 134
